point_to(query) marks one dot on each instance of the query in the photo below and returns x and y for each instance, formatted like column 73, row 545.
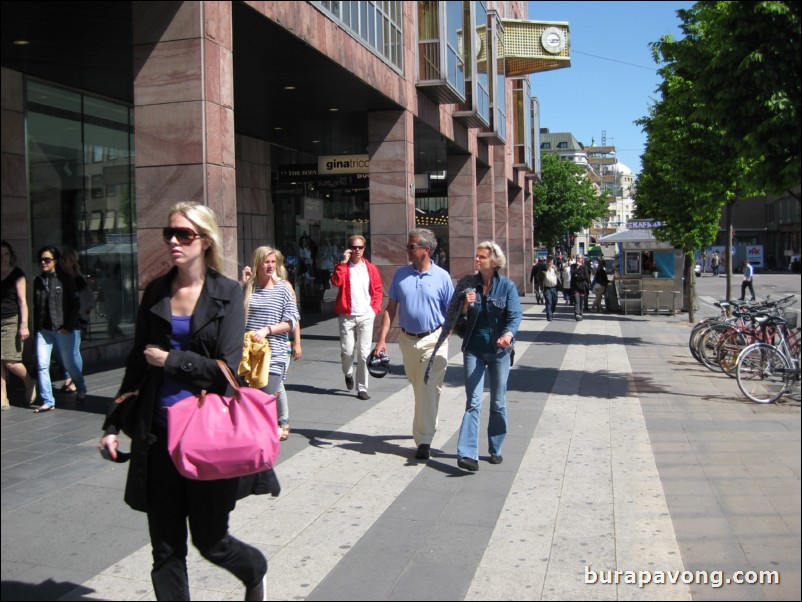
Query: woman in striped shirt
column 270, row 313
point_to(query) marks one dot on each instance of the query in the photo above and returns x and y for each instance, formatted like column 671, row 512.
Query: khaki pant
column 416, row 353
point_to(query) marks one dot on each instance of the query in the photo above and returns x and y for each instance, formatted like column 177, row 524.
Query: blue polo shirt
column 422, row 297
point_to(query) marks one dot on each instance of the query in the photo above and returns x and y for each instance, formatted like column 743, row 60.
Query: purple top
column 172, row 391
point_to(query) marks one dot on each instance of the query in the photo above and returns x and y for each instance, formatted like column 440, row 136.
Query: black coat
column 59, row 299
column 580, row 278
column 218, row 325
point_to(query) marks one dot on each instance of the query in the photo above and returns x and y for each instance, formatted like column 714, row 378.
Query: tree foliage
column 564, row 200
column 742, row 61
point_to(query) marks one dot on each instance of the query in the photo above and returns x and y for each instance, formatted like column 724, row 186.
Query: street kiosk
column 648, row 272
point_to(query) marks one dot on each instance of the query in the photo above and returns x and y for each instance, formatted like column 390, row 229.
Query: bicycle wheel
column 708, row 345
column 730, row 346
column 698, row 330
column 762, row 373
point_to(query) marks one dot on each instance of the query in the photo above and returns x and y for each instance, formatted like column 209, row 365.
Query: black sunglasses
column 45, row 260
column 357, row 248
column 184, row 236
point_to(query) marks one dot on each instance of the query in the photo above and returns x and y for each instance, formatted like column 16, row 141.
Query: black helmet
column 378, row 365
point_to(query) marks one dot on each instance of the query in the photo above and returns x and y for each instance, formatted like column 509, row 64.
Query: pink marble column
column 462, row 213
column 529, row 240
column 516, row 240
column 14, row 209
column 392, row 191
column 485, row 206
column 500, row 197
column 184, row 115
column 392, row 188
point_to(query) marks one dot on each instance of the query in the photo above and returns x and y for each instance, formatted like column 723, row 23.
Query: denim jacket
column 503, row 309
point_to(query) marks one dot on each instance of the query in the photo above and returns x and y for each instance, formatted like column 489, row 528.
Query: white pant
column 356, row 335
column 416, row 353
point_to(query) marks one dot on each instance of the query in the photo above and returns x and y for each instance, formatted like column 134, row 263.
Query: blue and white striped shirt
column 268, row 307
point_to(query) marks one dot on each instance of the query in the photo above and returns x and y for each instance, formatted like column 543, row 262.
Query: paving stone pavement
column 623, row 454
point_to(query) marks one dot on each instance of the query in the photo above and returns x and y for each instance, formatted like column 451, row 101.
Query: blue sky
column 609, row 93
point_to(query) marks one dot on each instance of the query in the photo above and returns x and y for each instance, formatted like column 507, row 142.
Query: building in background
column 299, row 123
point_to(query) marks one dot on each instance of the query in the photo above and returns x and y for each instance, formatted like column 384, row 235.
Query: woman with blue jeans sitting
column 493, row 313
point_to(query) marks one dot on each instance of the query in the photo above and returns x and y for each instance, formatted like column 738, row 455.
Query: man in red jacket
column 358, row 302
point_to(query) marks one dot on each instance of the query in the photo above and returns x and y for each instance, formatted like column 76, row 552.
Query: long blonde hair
column 259, row 256
column 205, row 222
column 281, row 271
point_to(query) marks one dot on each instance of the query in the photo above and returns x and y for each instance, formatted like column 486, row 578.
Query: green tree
column 564, row 200
column 744, row 60
column 690, row 167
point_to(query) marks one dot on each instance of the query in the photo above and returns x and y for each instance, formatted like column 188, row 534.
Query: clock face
column 553, row 40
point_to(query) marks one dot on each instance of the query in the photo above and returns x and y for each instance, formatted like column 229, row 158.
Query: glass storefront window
column 313, row 222
column 80, row 166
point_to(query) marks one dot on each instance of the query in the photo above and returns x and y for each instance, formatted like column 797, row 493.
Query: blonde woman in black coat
column 188, row 318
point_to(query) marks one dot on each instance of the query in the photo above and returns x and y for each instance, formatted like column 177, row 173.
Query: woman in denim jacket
column 493, row 311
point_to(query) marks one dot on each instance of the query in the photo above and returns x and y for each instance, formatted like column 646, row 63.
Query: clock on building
column 553, row 40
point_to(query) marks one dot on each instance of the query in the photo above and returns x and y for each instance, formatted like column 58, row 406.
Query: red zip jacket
column 342, row 279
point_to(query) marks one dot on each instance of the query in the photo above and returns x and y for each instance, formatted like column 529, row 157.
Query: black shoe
column 548, row 318
column 363, row 395
column 424, row 452
column 349, row 381
column 258, row 592
column 468, row 464
column 496, row 459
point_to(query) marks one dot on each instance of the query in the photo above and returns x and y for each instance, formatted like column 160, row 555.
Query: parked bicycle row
column 758, row 344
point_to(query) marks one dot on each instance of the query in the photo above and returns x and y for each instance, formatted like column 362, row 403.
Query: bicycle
column 740, row 336
column 767, row 372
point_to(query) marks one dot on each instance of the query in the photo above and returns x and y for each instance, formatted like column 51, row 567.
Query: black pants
column 174, row 500
column 744, row 285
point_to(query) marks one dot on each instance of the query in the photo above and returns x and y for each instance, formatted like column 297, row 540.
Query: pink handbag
column 214, row 437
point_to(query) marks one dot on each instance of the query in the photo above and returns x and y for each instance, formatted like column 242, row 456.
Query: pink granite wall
column 255, row 211
column 184, row 115
column 14, row 210
column 515, row 242
column 462, row 211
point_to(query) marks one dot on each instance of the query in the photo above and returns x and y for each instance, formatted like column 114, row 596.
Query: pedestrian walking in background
column 600, row 286
column 57, row 324
column 14, row 324
column 534, row 276
column 188, row 319
column 746, row 283
column 714, row 263
column 358, row 302
column 293, row 344
column 70, row 264
column 420, row 294
column 550, row 281
column 566, row 282
column 271, row 314
column 580, row 285
column 493, row 313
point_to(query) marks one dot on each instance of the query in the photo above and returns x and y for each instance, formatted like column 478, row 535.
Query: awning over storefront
column 629, row 236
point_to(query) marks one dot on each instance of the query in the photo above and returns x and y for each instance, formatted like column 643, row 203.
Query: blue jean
column 65, row 347
column 551, row 300
column 498, row 367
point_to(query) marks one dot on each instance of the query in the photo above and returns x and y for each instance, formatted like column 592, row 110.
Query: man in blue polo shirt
column 420, row 294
